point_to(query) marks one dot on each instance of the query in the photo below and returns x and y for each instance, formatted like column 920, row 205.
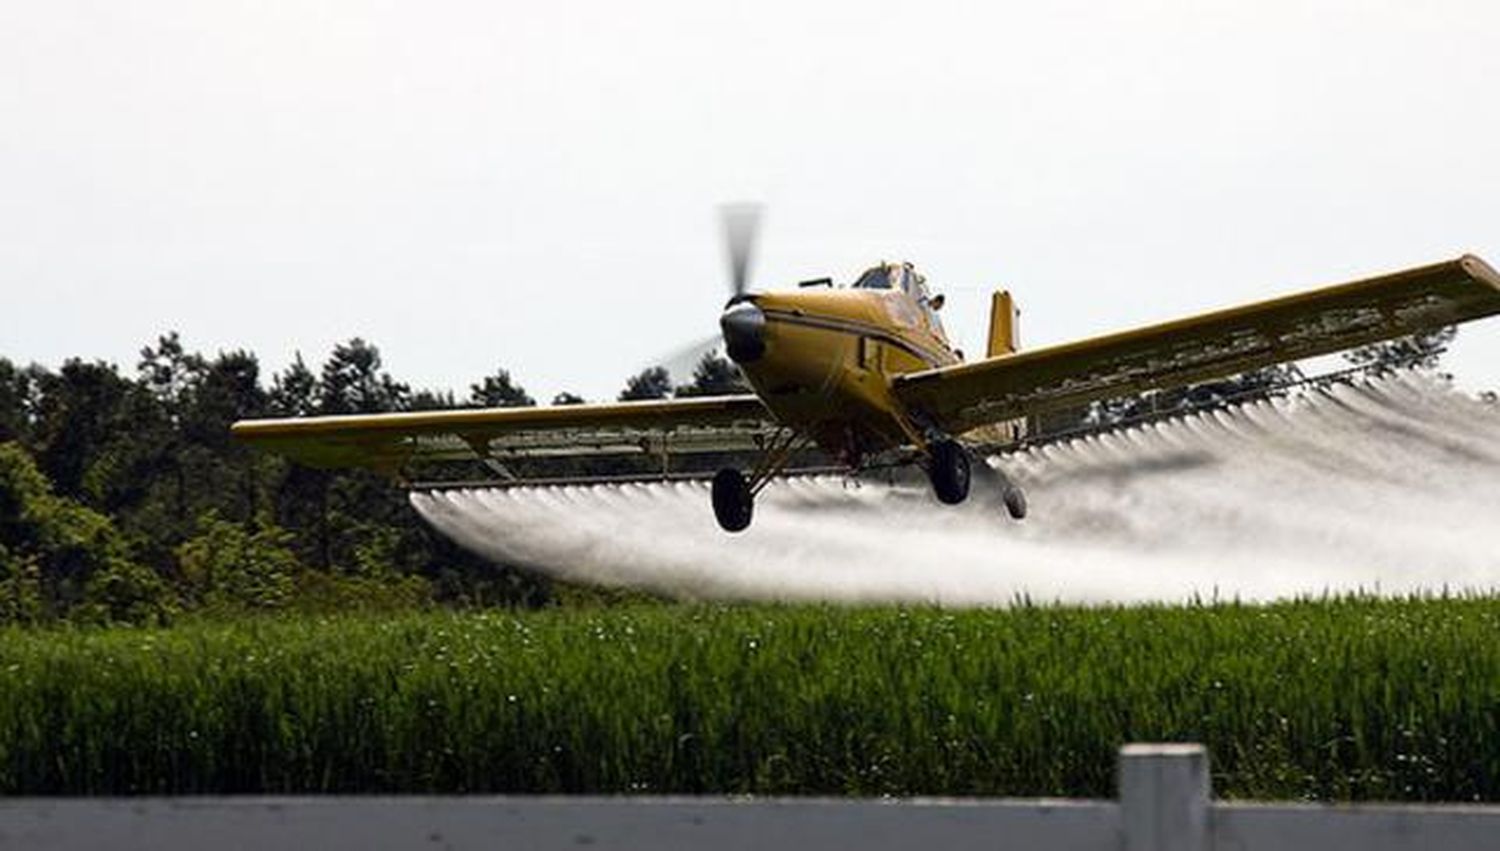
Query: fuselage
column 822, row 358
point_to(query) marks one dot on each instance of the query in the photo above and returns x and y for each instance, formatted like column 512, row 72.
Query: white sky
column 532, row 185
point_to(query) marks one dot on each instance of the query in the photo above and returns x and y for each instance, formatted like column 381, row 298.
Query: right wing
column 1201, row 348
column 389, row 442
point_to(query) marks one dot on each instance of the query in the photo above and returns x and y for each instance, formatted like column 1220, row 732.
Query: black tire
column 1015, row 502
column 733, row 503
column 949, row 470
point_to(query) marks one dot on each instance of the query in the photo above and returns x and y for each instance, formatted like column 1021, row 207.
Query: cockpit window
column 917, row 286
column 878, row 278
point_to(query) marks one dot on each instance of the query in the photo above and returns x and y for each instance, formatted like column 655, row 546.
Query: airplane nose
column 744, row 327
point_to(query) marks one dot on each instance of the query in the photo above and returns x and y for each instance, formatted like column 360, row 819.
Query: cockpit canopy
column 901, row 277
column 892, row 276
column 877, row 278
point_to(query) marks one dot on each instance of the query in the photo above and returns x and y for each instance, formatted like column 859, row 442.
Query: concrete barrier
column 1164, row 805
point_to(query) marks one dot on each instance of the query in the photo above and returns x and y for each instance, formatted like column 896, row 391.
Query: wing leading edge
column 1204, row 347
column 388, row 442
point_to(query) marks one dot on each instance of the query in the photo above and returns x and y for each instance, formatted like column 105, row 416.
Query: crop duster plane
column 866, row 373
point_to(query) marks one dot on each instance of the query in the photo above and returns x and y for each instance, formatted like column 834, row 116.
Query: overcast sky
column 532, row 185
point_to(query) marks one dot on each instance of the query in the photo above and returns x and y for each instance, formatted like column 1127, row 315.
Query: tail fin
column 1005, row 325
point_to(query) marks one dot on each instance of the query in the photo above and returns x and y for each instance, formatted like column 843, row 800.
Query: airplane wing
column 389, row 442
column 1200, row 348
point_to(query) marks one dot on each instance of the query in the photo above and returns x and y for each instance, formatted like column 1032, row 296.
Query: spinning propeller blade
column 741, row 226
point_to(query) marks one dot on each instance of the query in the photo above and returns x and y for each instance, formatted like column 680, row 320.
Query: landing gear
column 734, row 493
column 948, row 467
column 1015, row 502
column 734, row 504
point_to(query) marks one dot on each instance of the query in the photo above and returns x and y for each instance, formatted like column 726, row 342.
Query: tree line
column 123, row 498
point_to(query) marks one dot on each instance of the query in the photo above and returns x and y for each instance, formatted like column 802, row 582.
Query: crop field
column 1346, row 698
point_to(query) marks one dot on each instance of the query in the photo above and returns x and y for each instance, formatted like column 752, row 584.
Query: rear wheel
column 1015, row 502
column 733, row 503
column 949, row 470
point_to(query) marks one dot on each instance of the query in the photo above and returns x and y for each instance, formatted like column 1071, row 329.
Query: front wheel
column 733, row 503
column 949, row 471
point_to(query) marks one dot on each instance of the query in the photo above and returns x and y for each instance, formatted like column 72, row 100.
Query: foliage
column 652, row 383
column 294, row 393
column 231, row 568
column 353, row 383
column 15, row 401
column 20, row 588
column 151, row 504
column 325, row 593
column 499, row 391
column 715, row 376
column 56, row 554
column 1343, row 699
column 125, row 592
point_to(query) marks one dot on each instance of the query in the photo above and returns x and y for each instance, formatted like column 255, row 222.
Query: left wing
column 1200, row 348
column 389, row 442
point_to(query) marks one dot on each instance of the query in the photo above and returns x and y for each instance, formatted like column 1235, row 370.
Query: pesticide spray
column 1384, row 486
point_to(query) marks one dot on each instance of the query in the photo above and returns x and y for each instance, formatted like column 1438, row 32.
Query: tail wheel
column 733, row 503
column 949, row 471
column 1015, row 502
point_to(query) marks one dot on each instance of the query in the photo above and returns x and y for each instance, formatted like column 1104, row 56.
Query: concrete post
column 1164, row 797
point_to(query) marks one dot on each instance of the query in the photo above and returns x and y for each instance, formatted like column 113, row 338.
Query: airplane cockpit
column 902, row 277
column 877, row 278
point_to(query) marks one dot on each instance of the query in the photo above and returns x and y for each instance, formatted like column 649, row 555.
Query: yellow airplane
column 867, row 374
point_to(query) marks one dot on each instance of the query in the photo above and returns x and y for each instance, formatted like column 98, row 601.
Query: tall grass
column 1332, row 699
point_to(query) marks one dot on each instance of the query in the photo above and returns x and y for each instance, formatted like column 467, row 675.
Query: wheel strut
column 734, row 494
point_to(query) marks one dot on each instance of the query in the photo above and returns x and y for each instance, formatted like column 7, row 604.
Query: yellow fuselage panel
column 829, row 359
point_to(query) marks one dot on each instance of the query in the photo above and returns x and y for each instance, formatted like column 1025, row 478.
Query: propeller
column 681, row 363
column 741, row 223
column 741, row 227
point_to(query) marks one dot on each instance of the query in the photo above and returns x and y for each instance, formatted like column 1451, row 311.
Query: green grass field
column 1335, row 699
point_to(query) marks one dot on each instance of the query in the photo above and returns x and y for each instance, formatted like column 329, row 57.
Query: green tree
column 652, row 383
column 225, row 390
column 79, row 411
column 123, row 469
column 432, row 400
column 21, row 599
column 168, row 371
column 294, row 392
column 75, row 556
column 499, row 391
column 352, row 382
column 715, row 376
column 15, row 401
column 230, row 568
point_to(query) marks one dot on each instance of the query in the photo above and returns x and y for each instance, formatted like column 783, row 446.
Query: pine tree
column 653, row 383
column 353, row 383
column 715, row 376
column 294, row 393
column 499, row 391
